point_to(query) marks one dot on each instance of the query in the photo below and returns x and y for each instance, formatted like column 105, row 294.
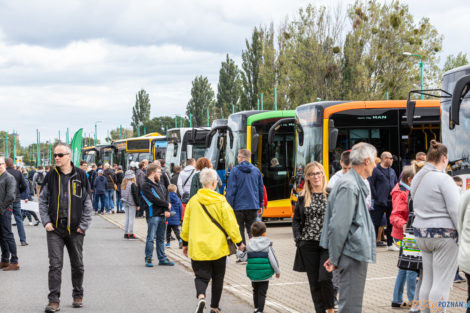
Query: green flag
column 76, row 147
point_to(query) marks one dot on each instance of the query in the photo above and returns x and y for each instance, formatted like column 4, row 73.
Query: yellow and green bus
column 150, row 147
column 270, row 136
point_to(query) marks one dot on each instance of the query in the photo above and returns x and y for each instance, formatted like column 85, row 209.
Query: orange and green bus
column 326, row 129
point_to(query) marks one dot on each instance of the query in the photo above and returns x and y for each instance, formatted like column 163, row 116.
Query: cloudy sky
column 71, row 63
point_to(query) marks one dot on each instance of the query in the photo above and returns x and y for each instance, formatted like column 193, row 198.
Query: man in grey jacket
column 348, row 232
column 7, row 240
column 66, row 210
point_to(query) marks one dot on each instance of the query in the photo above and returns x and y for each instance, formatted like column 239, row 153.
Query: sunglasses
column 60, row 155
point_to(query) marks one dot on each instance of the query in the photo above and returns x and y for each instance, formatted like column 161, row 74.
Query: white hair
column 361, row 152
column 67, row 147
column 208, row 176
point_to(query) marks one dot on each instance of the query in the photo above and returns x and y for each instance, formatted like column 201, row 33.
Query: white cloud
column 70, row 63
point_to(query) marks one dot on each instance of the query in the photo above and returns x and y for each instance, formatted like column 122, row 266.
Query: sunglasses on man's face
column 59, row 155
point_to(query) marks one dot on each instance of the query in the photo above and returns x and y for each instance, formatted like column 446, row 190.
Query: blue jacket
column 27, row 193
column 99, row 185
column 381, row 183
column 245, row 189
column 176, row 207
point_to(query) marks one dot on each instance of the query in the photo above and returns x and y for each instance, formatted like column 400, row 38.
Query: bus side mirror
column 460, row 91
column 333, row 135
column 254, row 140
column 300, row 134
column 209, row 138
column 410, row 112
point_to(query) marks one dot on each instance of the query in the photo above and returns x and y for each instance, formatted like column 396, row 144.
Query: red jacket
column 265, row 198
column 400, row 213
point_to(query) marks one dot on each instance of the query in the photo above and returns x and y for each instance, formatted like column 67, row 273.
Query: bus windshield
column 457, row 140
column 310, row 149
column 239, row 142
column 89, row 156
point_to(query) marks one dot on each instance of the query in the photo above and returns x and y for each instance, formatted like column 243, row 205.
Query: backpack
column 40, row 179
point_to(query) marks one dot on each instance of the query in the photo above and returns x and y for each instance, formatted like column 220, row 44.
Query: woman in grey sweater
column 435, row 199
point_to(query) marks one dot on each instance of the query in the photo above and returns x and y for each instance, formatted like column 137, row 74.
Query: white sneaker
column 30, row 223
column 393, row 248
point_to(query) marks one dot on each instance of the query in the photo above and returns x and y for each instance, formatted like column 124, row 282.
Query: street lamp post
column 420, row 66
column 96, row 131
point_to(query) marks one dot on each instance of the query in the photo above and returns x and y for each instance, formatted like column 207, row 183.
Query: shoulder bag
column 410, row 257
column 232, row 247
column 185, row 195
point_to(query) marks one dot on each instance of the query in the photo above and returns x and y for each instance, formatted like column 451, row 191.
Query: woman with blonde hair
column 307, row 226
column 130, row 202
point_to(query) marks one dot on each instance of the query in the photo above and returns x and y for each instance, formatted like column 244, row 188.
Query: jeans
column 19, row 220
column 118, row 201
column 245, row 218
column 377, row 214
column 101, row 200
column 7, row 240
column 207, row 270
column 410, row 278
column 156, row 231
column 56, row 240
column 130, row 218
column 109, row 203
column 260, row 289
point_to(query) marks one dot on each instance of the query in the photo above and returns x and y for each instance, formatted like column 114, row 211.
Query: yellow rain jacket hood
column 205, row 240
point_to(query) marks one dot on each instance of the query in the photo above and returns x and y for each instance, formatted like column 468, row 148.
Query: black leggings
column 320, row 281
column 468, row 290
column 205, row 271
column 175, row 229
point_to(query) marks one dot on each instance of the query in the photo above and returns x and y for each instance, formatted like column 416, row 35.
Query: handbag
column 231, row 246
column 114, row 184
column 410, row 257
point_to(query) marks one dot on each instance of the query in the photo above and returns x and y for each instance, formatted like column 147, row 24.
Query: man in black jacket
column 66, row 210
column 7, row 240
column 20, row 188
column 157, row 209
column 381, row 182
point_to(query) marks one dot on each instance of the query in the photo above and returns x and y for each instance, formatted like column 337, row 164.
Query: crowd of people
column 337, row 224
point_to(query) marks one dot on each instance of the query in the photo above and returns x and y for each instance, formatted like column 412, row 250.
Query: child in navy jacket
column 174, row 220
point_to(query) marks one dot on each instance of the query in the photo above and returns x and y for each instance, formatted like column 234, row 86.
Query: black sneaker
column 200, row 306
column 126, row 236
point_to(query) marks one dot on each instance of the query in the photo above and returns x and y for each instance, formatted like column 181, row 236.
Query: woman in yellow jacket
column 205, row 242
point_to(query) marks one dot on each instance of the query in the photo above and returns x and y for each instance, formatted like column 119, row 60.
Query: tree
column 141, row 109
column 250, row 75
column 373, row 62
column 454, row 61
column 115, row 134
column 202, row 98
column 229, row 88
column 267, row 69
column 161, row 124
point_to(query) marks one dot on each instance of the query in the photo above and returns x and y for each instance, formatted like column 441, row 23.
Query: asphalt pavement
column 116, row 279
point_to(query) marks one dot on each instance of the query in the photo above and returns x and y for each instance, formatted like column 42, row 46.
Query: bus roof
column 269, row 115
column 458, row 69
column 248, row 113
column 331, row 107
